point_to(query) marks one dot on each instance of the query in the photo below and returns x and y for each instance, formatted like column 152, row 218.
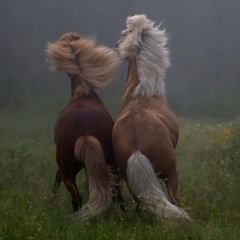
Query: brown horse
column 84, row 127
column 146, row 131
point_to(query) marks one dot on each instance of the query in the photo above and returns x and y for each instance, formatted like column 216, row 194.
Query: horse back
column 80, row 118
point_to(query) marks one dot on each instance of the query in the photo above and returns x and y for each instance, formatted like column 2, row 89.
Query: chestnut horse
column 84, row 127
column 146, row 131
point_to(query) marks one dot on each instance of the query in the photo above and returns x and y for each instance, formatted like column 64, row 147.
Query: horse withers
column 84, row 127
column 146, row 130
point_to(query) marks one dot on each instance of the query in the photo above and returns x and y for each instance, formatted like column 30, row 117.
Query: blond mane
column 78, row 55
column 147, row 43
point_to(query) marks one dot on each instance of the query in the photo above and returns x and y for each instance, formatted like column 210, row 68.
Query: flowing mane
column 147, row 43
column 78, row 55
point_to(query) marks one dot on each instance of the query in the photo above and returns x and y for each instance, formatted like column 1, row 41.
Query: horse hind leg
column 56, row 185
column 70, row 183
column 172, row 185
column 140, row 208
column 118, row 198
column 116, row 191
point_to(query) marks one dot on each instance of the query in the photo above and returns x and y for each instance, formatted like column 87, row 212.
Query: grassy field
column 209, row 188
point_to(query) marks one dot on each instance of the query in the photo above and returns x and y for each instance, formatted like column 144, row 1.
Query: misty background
column 204, row 42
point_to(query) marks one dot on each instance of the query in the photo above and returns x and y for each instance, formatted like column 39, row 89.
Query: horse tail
column 100, row 178
column 146, row 188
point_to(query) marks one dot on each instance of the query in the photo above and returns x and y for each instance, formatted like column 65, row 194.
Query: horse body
column 84, row 127
column 146, row 130
column 82, row 117
column 148, row 126
column 85, row 116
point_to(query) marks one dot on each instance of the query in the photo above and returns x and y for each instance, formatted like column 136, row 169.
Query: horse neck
column 90, row 96
column 73, row 87
column 79, row 87
column 132, row 78
column 83, row 91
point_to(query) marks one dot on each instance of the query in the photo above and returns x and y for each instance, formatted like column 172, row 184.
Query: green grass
column 208, row 164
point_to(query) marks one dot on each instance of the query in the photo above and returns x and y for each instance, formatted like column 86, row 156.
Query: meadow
column 208, row 156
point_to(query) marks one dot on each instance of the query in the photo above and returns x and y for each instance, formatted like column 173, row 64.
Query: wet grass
column 208, row 163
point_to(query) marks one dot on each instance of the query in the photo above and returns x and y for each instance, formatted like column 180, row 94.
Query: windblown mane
column 147, row 43
column 78, row 55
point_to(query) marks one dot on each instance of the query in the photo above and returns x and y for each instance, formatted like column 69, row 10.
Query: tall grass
column 208, row 165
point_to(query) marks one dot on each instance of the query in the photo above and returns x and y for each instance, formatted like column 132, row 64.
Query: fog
column 204, row 42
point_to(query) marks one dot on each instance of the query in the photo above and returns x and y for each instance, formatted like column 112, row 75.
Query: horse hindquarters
column 100, row 178
column 145, row 187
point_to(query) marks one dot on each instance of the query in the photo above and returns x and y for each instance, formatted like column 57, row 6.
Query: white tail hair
column 145, row 186
column 147, row 43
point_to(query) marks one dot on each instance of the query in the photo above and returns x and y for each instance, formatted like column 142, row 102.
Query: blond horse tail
column 146, row 188
column 100, row 178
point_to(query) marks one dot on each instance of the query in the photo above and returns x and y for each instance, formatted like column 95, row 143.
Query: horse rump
column 101, row 180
